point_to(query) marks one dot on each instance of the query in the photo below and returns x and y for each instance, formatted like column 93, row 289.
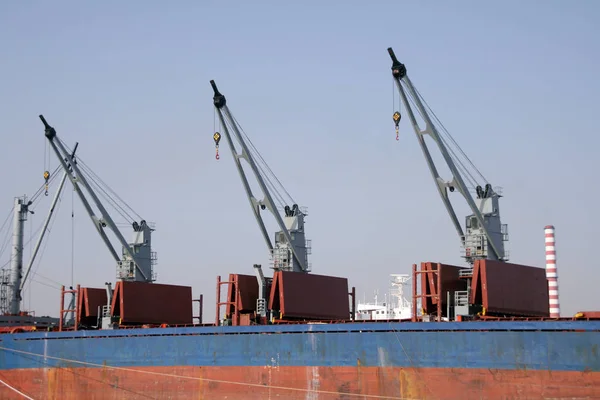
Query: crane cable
column 396, row 116
column 216, row 135
column 46, row 166
column 446, row 138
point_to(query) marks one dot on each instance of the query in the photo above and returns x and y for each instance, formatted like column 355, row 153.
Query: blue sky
column 514, row 82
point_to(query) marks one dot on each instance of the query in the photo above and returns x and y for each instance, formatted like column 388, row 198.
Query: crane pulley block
column 46, row 178
column 397, row 118
column 217, row 138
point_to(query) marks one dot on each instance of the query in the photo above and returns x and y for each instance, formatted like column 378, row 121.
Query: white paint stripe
column 15, row 390
column 550, row 257
column 555, row 312
column 552, row 284
column 551, row 247
column 553, row 302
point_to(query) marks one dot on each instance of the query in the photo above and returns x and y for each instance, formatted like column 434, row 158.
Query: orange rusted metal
column 18, row 328
column 319, row 382
column 231, row 309
column 590, row 315
column 61, row 319
column 436, row 281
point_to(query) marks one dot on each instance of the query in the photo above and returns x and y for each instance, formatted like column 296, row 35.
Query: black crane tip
column 44, row 121
column 218, row 99
column 214, row 86
column 392, row 54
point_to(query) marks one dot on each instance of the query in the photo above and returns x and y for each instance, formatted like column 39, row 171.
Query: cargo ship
column 296, row 334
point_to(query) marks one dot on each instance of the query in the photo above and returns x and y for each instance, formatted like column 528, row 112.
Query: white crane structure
column 290, row 249
column 136, row 261
column 484, row 234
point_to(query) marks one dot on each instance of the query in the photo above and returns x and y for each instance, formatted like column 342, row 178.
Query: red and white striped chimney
column 551, row 274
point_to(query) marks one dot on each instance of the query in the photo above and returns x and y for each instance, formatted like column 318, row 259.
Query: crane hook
column 217, row 139
column 397, row 118
column 46, row 177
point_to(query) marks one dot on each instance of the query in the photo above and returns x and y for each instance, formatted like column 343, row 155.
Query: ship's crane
column 137, row 259
column 12, row 281
column 485, row 235
column 290, row 250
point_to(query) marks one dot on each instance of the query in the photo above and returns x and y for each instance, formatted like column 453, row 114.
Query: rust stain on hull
column 317, row 383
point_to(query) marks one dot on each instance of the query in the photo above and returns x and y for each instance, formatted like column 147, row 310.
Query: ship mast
column 290, row 250
column 11, row 304
column 485, row 234
column 21, row 209
column 45, row 226
column 138, row 259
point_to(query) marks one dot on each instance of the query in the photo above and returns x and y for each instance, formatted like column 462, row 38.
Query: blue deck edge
column 585, row 326
column 545, row 345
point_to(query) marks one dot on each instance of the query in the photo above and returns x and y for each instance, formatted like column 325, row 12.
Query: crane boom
column 485, row 234
column 290, row 251
column 137, row 261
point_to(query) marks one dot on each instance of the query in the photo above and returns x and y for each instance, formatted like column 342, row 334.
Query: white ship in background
column 394, row 306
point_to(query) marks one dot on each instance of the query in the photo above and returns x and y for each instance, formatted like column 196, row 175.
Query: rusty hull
column 318, row 383
column 152, row 303
column 427, row 360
